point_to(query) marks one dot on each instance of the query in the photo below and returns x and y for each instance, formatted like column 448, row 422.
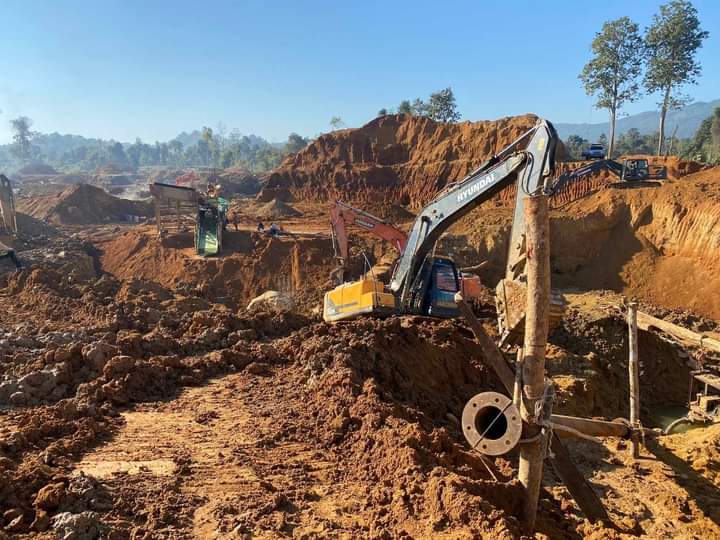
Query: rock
column 118, row 365
column 41, row 522
column 7, row 389
column 96, row 355
column 58, row 393
column 258, row 368
column 35, row 378
column 15, row 525
column 19, row 399
column 50, row 496
column 11, row 514
column 82, row 526
column 271, row 301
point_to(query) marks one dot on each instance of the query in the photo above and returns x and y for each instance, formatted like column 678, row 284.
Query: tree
column 405, row 107
column 612, row 73
column 382, row 112
column 206, row 145
column 442, row 106
column 22, row 147
column 336, row 123
column 116, row 154
column 418, row 107
column 715, row 128
column 672, row 40
column 295, row 143
column 575, row 145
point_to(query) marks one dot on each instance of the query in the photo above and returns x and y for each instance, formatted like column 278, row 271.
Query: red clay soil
column 659, row 241
column 81, row 204
column 392, row 159
column 251, row 263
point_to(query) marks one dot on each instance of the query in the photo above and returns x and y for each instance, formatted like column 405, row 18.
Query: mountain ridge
column 687, row 120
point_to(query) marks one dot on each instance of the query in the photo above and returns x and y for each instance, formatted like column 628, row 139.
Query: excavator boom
column 343, row 215
column 426, row 285
column 529, row 160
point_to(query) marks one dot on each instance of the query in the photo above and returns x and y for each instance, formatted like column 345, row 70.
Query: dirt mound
column 392, row 159
column 251, row 264
column 238, row 181
column 277, row 209
column 82, row 205
column 700, row 449
column 37, row 169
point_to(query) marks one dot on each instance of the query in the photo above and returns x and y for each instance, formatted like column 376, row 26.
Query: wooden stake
column 634, row 373
column 584, row 496
column 537, row 311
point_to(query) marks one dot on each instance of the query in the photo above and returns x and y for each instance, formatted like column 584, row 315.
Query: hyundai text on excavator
column 425, row 284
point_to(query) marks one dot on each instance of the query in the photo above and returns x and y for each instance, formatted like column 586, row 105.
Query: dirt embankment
column 82, row 204
column 251, row 264
column 394, row 158
column 659, row 242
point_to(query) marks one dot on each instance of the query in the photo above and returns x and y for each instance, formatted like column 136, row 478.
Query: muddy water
column 664, row 415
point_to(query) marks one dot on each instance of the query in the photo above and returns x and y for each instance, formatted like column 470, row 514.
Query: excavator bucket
column 511, row 298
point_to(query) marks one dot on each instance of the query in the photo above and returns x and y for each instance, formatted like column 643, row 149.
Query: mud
column 140, row 399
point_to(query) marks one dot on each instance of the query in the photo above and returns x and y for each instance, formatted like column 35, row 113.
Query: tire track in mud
column 219, row 442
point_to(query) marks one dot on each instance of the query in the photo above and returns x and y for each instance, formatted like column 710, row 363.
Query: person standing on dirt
column 261, row 227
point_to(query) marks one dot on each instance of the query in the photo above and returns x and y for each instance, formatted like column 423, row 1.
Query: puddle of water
column 108, row 469
column 664, row 415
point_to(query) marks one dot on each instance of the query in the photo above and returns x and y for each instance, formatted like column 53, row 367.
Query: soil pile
column 37, row 169
column 82, row 205
column 251, row 264
column 392, row 159
column 277, row 209
column 238, row 181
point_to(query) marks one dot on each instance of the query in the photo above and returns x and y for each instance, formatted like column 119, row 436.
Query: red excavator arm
column 342, row 215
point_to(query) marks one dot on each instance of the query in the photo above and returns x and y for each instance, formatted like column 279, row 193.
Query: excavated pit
column 138, row 399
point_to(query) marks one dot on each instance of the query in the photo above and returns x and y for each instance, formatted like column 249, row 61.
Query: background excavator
column 426, row 284
column 342, row 216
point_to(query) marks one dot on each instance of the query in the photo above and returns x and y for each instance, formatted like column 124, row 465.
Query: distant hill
column 687, row 121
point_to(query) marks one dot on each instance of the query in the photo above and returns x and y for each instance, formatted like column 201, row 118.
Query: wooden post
column 584, row 496
column 537, row 313
column 634, row 373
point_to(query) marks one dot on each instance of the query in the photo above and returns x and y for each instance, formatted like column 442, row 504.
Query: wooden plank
column 589, row 426
column 685, row 336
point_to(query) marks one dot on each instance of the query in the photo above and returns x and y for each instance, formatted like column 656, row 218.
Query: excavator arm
column 343, row 215
column 529, row 161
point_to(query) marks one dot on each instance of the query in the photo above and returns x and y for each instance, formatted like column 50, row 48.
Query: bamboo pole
column 536, row 331
column 634, row 375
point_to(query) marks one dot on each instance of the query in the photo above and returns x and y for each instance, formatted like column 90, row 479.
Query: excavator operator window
column 445, row 279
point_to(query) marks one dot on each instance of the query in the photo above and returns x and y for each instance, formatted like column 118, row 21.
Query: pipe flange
column 491, row 423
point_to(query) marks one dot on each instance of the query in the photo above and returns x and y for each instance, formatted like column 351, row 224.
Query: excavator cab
column 639, row 170
column 434, row 288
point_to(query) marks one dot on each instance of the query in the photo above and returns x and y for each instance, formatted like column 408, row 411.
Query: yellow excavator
column 425, row 284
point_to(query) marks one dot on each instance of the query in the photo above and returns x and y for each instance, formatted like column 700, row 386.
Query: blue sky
column 152, row 68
